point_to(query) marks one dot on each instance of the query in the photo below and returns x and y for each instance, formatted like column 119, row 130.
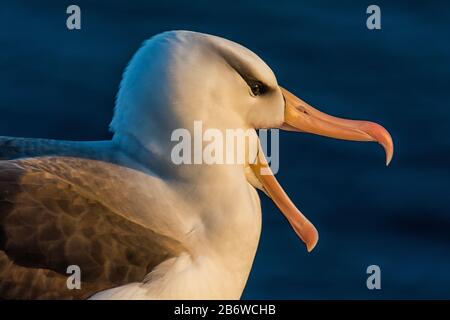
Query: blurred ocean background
column 61, row 84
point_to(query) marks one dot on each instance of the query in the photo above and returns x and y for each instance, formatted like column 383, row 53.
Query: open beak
column 301, row 117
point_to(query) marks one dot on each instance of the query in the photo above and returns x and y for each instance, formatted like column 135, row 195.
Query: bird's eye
column 257, row 88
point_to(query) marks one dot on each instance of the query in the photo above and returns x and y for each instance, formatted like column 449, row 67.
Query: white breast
column 222, row 241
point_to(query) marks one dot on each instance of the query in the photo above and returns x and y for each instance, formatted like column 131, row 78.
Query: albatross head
column 179, row 77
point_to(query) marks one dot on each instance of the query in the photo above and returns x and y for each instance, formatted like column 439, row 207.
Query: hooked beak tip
column 388, row 147
column 389, row 155
column 388, row 161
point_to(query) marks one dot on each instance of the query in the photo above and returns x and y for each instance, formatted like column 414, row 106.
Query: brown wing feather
column 47, row 225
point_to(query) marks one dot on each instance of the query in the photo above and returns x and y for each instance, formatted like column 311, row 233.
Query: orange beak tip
column 310, row 248
column 311, row 238
column 388, row 160
column 389, row 150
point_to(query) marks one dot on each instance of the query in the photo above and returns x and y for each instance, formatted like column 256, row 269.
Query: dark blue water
column 61, row 84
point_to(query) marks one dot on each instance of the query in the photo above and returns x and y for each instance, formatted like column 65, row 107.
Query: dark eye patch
column 257, row 87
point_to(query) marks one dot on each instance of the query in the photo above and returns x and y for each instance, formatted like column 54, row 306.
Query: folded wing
column 48, row 222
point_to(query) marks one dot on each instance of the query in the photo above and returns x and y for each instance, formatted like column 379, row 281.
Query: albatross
column 138, row 225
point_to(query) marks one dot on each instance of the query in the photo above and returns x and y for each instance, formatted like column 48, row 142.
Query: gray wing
column 16, row 148
column 46, row 225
